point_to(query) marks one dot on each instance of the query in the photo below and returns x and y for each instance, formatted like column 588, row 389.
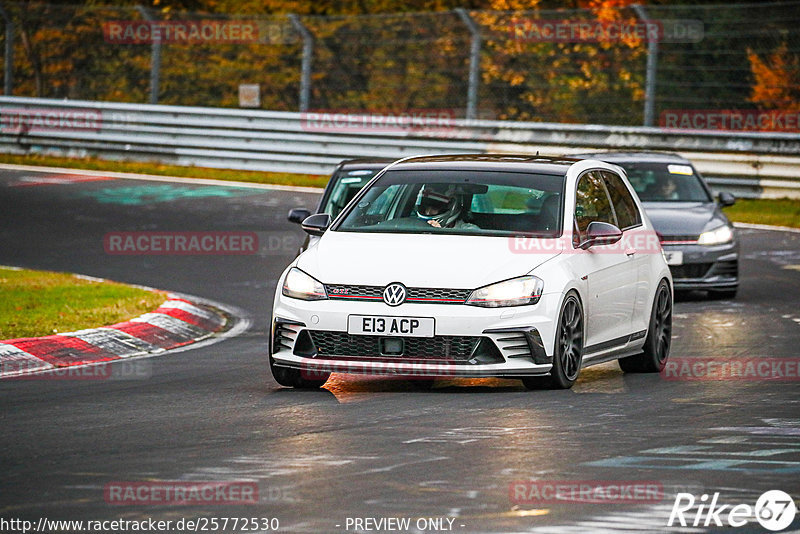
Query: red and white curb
column 176, row 323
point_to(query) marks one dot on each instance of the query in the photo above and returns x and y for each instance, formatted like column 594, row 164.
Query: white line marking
column 767, row 227
column 155, row 178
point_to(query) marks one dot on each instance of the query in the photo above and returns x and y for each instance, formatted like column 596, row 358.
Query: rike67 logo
column 774, row 510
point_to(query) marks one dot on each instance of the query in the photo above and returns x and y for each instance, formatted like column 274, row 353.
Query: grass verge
column 279, row 178
column 40, row 303
column 777, row 212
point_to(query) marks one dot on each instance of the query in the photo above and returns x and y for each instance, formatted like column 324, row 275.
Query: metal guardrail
column 749, row 164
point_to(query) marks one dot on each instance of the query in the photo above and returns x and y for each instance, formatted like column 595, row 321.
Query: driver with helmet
column 441, row 207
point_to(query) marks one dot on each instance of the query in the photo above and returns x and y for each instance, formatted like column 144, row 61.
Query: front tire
column 567, row 350
column 293, row 378
column 659, row 336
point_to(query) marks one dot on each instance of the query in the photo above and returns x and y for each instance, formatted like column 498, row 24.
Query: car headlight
column 515, row 292
column 299, row 285
column 717, row 236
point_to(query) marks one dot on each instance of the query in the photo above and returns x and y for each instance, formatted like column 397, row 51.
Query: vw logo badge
column 394, row 294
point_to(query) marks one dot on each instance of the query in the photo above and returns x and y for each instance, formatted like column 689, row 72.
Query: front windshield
column 662, row 182
column 460, row 202
column 345, row 186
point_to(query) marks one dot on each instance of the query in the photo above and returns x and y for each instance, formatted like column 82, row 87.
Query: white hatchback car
column 477, row 266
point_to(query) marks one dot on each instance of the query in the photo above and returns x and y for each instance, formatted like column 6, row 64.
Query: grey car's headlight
column 299, row 285
column 515, row 292
column 717, row 236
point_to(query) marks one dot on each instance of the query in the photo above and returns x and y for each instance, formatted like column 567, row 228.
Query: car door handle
column 630, row 252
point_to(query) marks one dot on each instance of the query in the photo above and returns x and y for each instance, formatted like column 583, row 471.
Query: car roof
column 633, row 157
column 490, row 162
column 365, row 163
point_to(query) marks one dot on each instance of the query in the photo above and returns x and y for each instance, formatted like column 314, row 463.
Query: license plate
column 381, row 325
column 675, row 257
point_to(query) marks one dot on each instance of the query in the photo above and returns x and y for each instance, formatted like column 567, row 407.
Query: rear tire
column 567, row 350
column 659, row 336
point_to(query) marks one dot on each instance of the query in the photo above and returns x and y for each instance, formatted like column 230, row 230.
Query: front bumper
column 705, row 267
column 468, row 341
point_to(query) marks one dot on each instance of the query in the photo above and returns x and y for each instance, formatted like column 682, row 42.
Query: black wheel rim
column 571, row 339
column 663, row 326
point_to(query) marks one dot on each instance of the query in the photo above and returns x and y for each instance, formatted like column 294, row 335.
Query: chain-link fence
column 623, row 66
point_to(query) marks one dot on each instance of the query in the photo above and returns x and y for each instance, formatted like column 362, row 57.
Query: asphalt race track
column 370, row 447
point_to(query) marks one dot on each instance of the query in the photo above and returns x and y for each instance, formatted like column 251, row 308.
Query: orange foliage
column 777, row 80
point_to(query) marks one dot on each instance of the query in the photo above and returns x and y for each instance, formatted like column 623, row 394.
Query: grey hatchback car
column 346, row 181
column 698, row 240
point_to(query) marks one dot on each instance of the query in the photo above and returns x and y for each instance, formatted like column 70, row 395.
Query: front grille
column 678, row 238
column 417, row 295
column 426, row 293
column 458, row 348
column 689, row 270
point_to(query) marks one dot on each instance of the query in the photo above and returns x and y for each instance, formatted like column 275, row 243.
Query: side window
column 592, row 203
column 624, row 205
column 376, row 203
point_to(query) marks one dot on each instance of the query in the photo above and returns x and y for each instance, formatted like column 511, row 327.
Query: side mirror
column 298, row 215
column 726, row 199
column 316, row 224
column 600, row 233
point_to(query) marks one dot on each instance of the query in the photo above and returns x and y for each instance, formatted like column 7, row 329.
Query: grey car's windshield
column 345, row 185
column 665, row 182
column 459, row 202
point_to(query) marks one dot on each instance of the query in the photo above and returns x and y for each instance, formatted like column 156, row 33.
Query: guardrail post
column 8, row 74
column 474, row 62
column 652, row 62
column 155, row 57
column 308, row 54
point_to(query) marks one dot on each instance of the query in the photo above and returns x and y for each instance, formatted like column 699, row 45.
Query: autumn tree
column 777, row 80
